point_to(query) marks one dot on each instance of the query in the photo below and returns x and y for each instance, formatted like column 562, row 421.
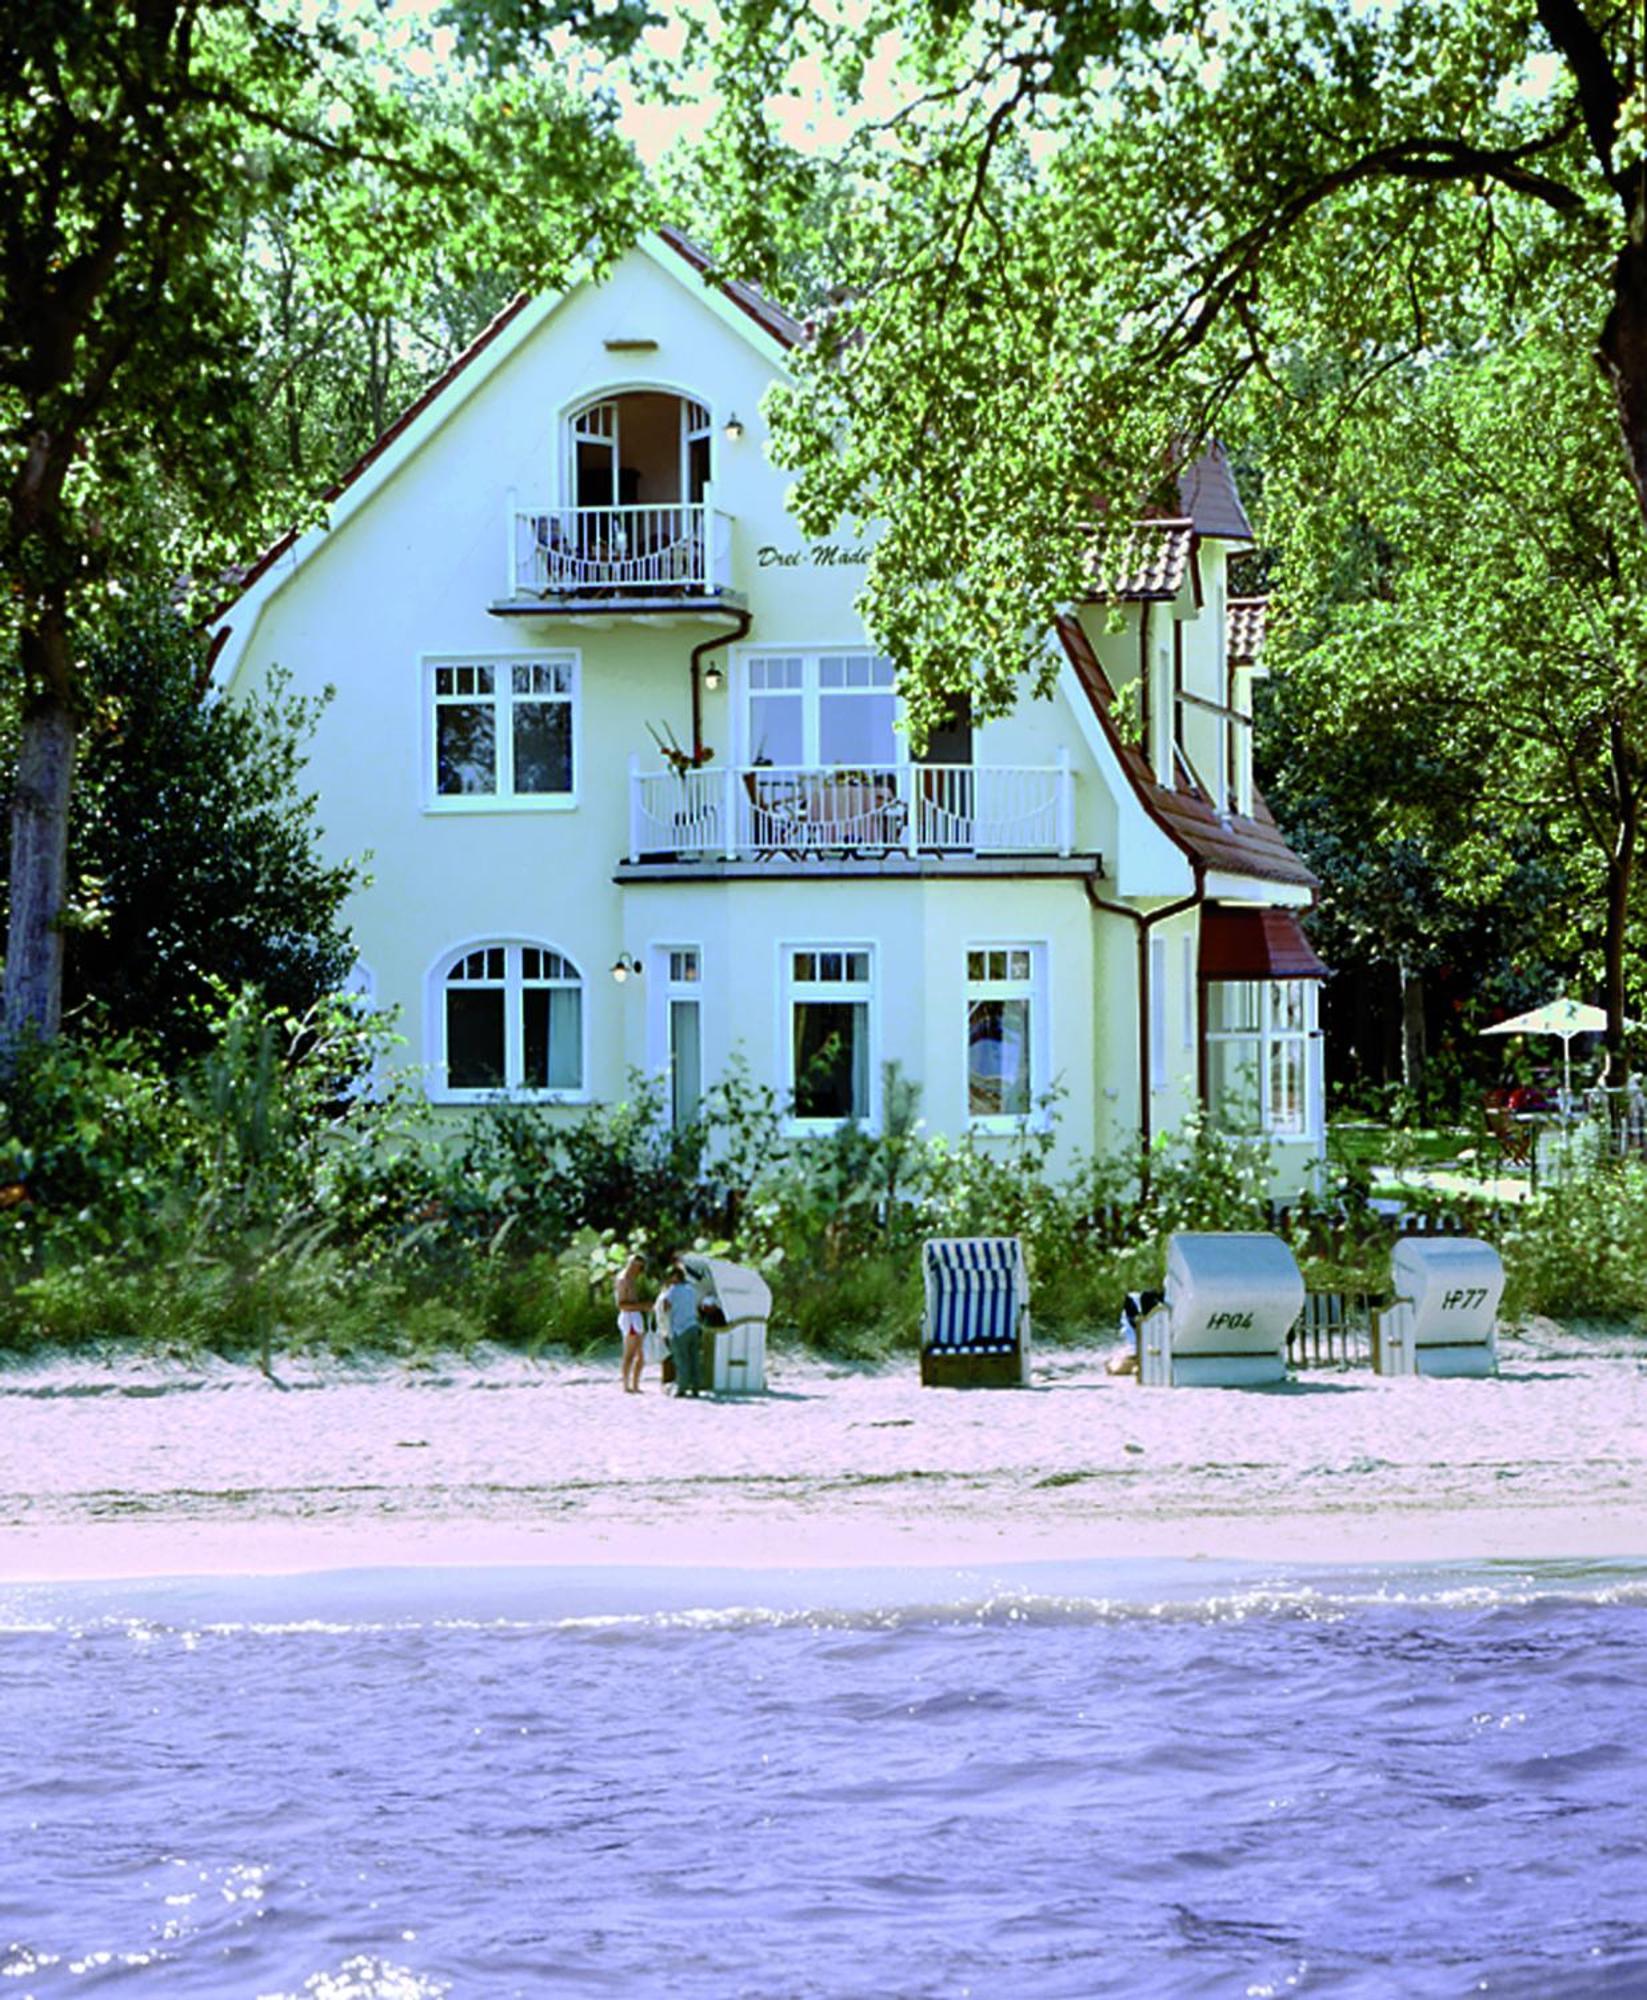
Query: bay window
column 1258, row 1037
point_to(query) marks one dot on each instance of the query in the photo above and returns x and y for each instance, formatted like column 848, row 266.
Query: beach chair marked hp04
column 1231, row 1299
column 975, row 1330
column 734, row 1336
column 1443, row 1319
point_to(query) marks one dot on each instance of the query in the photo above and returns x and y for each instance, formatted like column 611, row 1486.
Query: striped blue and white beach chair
column 975, row 1331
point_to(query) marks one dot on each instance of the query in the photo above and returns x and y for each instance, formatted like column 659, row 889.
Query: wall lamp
column 734, row 428
column 625, row 964
column 713, row 674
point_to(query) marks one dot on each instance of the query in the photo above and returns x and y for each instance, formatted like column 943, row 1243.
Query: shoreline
column 148, row 1469
column 162, row 1553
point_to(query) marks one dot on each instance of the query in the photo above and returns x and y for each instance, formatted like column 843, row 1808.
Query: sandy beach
column 125, row 1467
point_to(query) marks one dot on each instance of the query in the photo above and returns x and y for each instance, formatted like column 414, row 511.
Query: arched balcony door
column 642, row 449
column 637, row 473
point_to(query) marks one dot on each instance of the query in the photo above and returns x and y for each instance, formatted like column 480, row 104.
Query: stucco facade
column 577, row 547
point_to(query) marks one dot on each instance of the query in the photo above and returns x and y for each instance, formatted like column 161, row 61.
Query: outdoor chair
column 734, row 1305
column 1231, row 1300
column 975, row 1332
column 1515, row 1138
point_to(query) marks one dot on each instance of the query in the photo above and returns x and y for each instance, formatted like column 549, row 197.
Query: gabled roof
column 1243, row 846
column 1245, row 621
column 771, row 319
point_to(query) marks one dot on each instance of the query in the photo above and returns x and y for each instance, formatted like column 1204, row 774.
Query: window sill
column 440, row 1094
column 481, row 803
column 1007, row 1128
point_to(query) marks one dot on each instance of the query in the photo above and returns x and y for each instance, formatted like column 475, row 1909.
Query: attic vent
column 631, row 347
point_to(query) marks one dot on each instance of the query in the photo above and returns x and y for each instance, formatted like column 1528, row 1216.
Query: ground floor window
column 512, row 1019
column 829, row 1000
column 1001, row 1023
column 1258, row 1036
column 684, row 1021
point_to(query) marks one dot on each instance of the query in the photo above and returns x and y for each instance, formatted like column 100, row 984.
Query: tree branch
column 1600, row 96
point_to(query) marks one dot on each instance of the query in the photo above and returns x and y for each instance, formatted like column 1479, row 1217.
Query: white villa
column 573, row 551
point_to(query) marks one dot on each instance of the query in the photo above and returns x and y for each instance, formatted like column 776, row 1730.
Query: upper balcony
column 592, row 559
column 901, row 815
column 637, row 533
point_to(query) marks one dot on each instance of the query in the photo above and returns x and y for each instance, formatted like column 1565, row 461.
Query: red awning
column 1255, row 944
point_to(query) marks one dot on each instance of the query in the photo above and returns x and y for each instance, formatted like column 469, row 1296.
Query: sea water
column 398, row 1786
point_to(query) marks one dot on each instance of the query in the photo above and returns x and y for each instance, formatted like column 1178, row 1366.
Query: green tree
column 193, row 852
column 1081, row 228
column 1468, row 695
column 141, row 141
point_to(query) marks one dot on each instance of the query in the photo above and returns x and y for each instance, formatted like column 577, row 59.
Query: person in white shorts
column 631, row 1301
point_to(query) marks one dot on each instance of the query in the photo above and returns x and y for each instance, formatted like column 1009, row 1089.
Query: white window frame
column 1263, row 1039
column 504, row 798
column 671, row 987
column 512, row 1090
column 1035, row 989
column 791, row 990
column 811, row 691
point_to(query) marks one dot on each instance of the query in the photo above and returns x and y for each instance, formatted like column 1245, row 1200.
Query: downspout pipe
column 740, row 630
column 1144, row 924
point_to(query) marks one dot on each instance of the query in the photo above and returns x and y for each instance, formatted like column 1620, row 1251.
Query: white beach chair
column 1443, row 1319
column 734, row 1361
column 975, row 1332
column 1231, row 1299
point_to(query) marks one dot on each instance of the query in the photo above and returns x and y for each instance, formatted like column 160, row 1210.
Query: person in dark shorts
column 680, row 1298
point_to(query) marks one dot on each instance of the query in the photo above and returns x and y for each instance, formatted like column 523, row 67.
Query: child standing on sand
column 631, row 1303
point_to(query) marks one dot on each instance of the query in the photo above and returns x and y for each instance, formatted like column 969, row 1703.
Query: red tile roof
column 1244, row 846
column 1148, row 559
column 770, row 318
column 1245, row 620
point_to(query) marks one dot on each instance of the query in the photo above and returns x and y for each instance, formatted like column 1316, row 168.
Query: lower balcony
column 765, row 812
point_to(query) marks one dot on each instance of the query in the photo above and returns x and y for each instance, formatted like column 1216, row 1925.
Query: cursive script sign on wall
column 817, row 555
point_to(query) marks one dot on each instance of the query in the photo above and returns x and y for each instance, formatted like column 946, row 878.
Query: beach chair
column 734, row 1305
column 1443, row 1317
column 975, row 1330
column 1231, row 1300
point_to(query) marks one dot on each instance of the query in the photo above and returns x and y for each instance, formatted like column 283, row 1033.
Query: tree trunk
column 1413, row 1043
column 1623, row 354
column 39, row 870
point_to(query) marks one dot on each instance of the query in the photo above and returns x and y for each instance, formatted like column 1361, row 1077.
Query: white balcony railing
column 740, row 812
column 629, row 551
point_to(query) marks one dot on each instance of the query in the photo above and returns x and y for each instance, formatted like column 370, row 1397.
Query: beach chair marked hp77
column 975, row 1330
column 1443, row 1319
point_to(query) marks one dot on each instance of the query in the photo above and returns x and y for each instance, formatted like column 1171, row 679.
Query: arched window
column 511, row 1018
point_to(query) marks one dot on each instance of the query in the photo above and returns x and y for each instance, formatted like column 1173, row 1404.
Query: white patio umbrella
column 1565, row 1018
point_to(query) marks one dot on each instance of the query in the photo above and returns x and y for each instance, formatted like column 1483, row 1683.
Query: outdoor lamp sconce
column 713, row 675
column 734, row 428
column 623, row 965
